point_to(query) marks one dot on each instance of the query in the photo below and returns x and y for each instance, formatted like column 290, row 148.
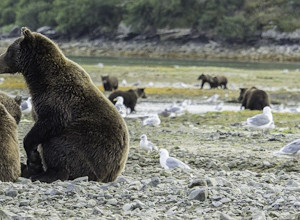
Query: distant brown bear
column 80, row 131
column 219, row 81
column 12, row 105
column 110, row 83
column 253, row 98
column 10, row 168
column 206, row 79
column 130, row 97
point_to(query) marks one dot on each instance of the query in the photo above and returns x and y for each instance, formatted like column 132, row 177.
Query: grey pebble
column 11, row 193
column 199, row 194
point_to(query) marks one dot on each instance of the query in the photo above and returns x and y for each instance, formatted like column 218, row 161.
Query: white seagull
column 290, row 150
column 147, row 145
column 26, row 106
column 175, row 109
column 168, row 162
column 124, row 82
column 100, row 65
column 120, row 106
column 262, row 121
column 153, row 120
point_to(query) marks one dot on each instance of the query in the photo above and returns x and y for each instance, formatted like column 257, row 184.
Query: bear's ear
column 27, row 33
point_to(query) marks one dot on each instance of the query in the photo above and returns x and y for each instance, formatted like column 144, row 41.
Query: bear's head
column 141, row 92
column 242, row 93
column 27, row 52
column 104, row 79
column 202, row 76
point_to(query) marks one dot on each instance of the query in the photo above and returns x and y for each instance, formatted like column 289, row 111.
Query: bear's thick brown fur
column 12, row 105
column 206, row 79
column 80, row 131
column 10, row 168
column 253, row 98
column 217, row 81
column 110, row 83
column 130, row 97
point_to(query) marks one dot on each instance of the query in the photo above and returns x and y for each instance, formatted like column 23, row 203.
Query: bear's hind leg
column 51, row 175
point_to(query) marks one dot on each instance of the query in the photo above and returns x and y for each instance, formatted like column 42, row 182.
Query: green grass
column 278, row 84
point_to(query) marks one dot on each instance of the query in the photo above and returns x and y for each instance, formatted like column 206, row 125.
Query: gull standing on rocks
column 26, row 106
column 262, row 121
column 290, row 150
column 120, row 106
column 153, row 120
column 147, row 145
column 168, row 162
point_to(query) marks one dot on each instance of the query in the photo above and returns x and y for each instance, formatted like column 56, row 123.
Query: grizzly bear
column 206, row 79
column 253, row 98
column 217, row 81
column 10, row 168
column 110, row 83
column 130, row 97
column 12, row 105
column 78, row 128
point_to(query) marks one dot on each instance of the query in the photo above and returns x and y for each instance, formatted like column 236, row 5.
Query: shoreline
column 172, row 50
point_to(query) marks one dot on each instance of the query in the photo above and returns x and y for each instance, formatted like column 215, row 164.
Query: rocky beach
column 234, row 176
column 234, row 173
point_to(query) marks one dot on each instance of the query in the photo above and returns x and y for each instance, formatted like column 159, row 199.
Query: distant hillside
column 229, row 21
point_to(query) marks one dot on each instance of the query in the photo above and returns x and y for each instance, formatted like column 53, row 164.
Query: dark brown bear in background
column 214, row 81
column 253, row 98
column 130, row 97
column 219, row 81
column 205, row 79
column 12, row 105
column 110, row 83
column 10, row 168
column 79, row 129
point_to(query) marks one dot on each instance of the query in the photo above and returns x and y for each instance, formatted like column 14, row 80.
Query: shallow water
column 125, row 61
column 147, row 108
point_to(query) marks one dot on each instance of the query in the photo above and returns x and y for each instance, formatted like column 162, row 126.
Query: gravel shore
column 234, row 176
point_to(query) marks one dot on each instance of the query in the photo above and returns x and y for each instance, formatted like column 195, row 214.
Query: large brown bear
column 253, row 98
column 217, row 81
column 130, row 97
column 12, row 105
column 78, row 128
column 110, row 83
column 10, row 168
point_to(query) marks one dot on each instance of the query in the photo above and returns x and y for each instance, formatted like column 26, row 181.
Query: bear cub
column 253, row 98
column 10, row 168
column 12, row 105
column 110, row 83
column 130, row 97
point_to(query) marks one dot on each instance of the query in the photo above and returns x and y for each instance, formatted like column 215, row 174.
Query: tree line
column 229, row 20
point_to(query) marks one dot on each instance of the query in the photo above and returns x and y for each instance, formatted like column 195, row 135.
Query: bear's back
column 257, row 99
column 10, row 168
column 130, row 97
